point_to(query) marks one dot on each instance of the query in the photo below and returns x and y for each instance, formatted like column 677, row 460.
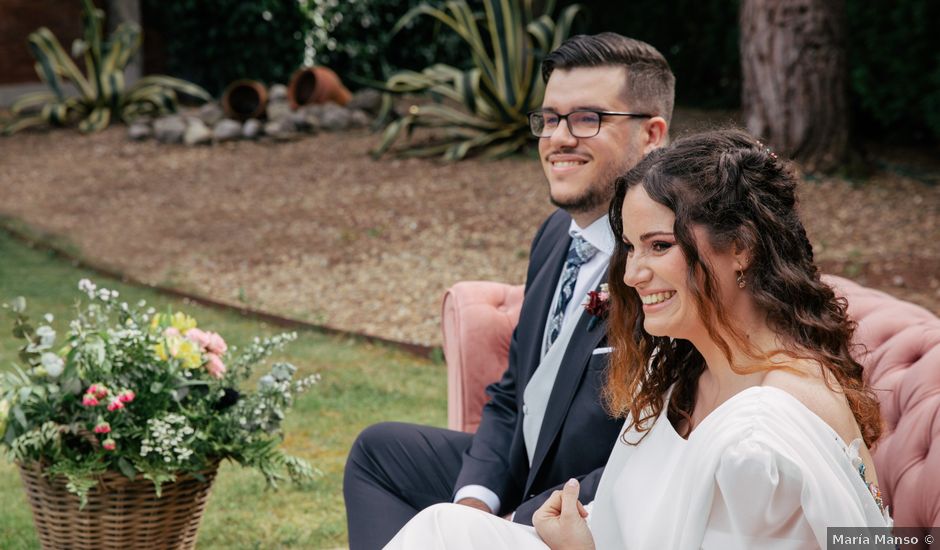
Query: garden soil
column 316, row 230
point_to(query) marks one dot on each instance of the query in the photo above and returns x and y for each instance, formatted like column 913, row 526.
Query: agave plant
column 488, row 104
column 103, row 96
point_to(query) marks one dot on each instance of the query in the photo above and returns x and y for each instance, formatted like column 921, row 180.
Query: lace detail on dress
column 859, row 464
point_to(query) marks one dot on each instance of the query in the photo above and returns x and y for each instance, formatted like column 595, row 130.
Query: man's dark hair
column 650, row 84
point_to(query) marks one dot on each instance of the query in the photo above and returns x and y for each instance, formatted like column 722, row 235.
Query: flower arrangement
column 142, row 392
column 598, row 305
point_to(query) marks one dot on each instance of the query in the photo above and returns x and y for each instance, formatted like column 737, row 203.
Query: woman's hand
column 560, row 521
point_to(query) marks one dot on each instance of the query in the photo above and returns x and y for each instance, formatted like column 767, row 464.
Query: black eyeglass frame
column 600, row 114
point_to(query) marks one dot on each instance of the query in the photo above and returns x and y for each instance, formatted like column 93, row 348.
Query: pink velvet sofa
column 902, row 360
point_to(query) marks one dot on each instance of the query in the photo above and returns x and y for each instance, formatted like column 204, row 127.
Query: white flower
column 46, row 336
column 53, row 364
column 87, row 287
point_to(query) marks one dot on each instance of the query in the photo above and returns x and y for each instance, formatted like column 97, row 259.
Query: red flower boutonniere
column 598, row 305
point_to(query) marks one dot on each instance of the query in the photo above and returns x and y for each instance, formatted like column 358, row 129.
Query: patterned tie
column 579, row 253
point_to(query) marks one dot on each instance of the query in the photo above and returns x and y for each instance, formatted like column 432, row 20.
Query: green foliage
column 698, row 37
column 489, row 101
column 215, row 42
column 355, row 38
column 893, row 51
column 102, row 93
column 140, row 392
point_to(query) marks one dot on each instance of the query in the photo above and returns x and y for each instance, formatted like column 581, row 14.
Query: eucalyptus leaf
column 20, row 416
column 127, row 468
column 72, row 385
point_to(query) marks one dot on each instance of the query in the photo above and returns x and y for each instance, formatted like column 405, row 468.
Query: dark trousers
column 394, row 471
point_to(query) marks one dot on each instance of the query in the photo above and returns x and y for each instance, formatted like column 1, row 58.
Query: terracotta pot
column 316, row 85
column 244, row 99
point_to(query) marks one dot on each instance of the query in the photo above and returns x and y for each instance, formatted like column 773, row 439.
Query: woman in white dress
column 748, row 422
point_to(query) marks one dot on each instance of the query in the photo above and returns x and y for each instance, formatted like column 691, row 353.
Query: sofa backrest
column 898, row 345
column 900, row 351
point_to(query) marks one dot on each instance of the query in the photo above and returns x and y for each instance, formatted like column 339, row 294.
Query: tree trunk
column 793, row 78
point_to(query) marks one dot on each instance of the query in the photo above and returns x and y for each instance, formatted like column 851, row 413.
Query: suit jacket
column 577, row 435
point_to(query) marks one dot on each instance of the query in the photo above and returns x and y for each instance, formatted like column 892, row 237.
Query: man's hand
column 475, row 503
column 560, row 521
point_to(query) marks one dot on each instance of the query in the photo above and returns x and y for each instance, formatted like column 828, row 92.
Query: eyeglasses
column 582, row 123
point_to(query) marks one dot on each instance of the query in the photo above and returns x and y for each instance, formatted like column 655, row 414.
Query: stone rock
column 281, row 129
column 278, row 110
column 197, row 133
column 303, row 123
column 139, row 131
column 359, row 118
column 169, row 129
column 210, row 113
column 333, row 117
column 367, row 100
column 277, row 92
column 311, row 114
column 251, row 129
column 227, row 130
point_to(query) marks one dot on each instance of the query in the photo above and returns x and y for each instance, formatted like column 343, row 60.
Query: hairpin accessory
column 766, row 149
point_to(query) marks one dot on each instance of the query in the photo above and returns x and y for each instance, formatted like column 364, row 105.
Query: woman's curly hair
column 729, row 184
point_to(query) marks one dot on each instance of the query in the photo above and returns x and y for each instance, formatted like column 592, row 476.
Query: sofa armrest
column 478, row 318
column 898, row 345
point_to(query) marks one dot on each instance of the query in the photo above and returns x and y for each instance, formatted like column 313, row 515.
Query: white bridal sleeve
column 758, row 501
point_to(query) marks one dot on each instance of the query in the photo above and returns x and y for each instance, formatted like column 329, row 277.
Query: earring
column 740, row 279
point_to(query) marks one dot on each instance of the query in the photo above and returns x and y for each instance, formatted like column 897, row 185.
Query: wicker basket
column 120, row 513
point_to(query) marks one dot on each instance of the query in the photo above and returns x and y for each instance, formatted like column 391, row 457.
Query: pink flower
column 109, row 444
column 200, row 337
column 103, row 428
column 126, row 396
column 208, row 341
column 216, row 344
column 214, row 365
column 89, row 400
column 171, row 332
column 97, row 390
column 115, row 404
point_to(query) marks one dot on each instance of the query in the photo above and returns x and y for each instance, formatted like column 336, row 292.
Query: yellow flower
column 182, row 322
column 179, row 320
column 160, row 350
column 189, row 354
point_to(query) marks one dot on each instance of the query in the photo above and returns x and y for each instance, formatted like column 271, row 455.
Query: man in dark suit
column 608, row 101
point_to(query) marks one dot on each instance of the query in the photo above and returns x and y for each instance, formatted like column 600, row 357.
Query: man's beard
column 596, row 196
column 589, row 201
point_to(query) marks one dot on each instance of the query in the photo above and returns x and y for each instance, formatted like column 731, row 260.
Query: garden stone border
column 208, row 124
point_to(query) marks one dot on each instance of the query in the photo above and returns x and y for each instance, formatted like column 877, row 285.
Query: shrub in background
column 893, row 51
column 214, row 42
column 355, row 39
column 488, row 103
column 102, row 95
column 698, row 37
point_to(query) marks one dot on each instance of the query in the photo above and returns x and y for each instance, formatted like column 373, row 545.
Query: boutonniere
column 598, row 305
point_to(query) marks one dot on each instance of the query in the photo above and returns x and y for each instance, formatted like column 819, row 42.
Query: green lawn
column 361, row 384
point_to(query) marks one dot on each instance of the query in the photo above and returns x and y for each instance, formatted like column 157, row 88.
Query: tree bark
column 794, row 79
